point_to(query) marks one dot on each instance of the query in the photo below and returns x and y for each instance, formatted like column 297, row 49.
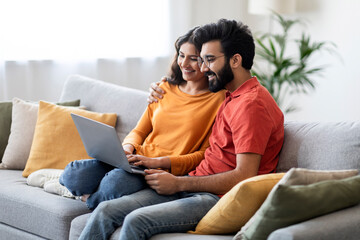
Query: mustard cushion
column 238, row 205
column 23, row 116
column 56, row 141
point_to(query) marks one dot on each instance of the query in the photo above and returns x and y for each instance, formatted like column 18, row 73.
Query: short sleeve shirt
column 248, row 121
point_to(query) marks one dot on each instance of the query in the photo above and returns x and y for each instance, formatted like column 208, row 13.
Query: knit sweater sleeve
column 183, row 164
column 144, row 126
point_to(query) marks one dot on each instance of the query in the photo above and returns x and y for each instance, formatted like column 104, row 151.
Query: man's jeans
column 146, row 213
column 99, row 179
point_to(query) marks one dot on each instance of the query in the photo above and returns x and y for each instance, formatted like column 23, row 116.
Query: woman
column 172, row 134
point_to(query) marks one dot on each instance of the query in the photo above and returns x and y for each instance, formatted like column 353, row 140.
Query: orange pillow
column 56, row 141
column 238, row 205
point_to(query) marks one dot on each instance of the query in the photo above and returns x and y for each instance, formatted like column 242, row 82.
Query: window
column 85, row 29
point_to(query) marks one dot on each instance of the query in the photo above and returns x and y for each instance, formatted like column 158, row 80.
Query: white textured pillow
column 24, row 117
column 49, row 180
column 40, row 177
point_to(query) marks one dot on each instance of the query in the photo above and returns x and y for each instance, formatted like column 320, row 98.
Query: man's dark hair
column 175, row 71
column 235, row 37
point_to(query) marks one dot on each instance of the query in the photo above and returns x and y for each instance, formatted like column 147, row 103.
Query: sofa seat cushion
column 33, row 210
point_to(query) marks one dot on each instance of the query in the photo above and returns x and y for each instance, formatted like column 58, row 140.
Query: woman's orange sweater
column 178, row 126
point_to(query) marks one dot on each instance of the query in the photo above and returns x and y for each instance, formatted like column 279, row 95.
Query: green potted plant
column 285, row 73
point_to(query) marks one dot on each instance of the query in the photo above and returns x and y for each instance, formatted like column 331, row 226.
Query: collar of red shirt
column 243, row 88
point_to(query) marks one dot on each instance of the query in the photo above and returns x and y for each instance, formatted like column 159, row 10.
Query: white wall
column 337, row 93
column 336, row 97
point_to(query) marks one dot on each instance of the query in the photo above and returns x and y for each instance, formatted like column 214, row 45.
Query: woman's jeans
column 100, row 180
column 146, row 213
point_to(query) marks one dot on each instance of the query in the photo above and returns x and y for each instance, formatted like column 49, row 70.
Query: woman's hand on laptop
column 158, row 162
column 128, row 149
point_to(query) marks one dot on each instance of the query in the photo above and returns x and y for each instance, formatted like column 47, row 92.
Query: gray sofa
column 31, row 213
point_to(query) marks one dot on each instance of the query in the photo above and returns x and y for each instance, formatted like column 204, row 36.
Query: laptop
column 102, row 143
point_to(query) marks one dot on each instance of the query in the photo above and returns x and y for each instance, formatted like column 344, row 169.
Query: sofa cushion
column 56, row 141
column 321, row 146
column 5, row 123
column 238, row 205
column 338, row 225
column 99, row 96
column 31, row 209
column 40, row 177
column 24, row 116
column 297, row 198
column 302, row 176
column 11, row 233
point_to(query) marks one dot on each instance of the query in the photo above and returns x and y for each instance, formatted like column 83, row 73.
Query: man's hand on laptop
column 156, row 92
column 158, row 162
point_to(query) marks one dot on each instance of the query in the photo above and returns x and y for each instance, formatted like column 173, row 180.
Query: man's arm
column 247, row 165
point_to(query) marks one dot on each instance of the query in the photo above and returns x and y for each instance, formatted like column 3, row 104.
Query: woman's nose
column 185, row 62
column 204, row 68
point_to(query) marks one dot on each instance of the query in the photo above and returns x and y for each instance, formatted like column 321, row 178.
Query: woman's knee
column 83, row 176
column 118, row 182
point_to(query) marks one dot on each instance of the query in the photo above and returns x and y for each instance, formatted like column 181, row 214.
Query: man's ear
column 236, row 61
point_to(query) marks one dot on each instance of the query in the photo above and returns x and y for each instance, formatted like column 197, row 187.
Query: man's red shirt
column 248, row 121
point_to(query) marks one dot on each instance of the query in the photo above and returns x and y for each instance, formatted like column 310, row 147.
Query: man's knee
column 103, row 210
column 135, row 218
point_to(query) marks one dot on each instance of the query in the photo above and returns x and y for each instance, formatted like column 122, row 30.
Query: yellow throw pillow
column 56, row 141
column 238, row 205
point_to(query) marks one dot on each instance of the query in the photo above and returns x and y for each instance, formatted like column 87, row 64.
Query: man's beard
column 224, row 76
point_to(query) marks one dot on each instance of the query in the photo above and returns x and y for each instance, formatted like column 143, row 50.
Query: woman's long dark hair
column 175, row 71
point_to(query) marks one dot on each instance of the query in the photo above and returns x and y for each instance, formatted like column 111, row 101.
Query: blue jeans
column 100, row 180
column 146, row 213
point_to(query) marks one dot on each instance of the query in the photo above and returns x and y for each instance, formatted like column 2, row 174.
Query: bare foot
column 84, row 197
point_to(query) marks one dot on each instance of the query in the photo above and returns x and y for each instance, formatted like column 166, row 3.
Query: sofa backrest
column 99, row 96
column 320, row 146
column 311, row 145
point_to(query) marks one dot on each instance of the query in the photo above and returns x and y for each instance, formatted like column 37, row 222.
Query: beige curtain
column 43, row 80
column 34, row 80
column 122, row 42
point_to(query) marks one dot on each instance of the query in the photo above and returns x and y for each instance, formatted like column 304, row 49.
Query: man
column 246, row 139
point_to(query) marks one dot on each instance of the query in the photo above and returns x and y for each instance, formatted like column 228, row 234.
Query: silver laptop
column 102, row 143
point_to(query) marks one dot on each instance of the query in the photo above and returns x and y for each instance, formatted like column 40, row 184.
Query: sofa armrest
column 339, row 225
